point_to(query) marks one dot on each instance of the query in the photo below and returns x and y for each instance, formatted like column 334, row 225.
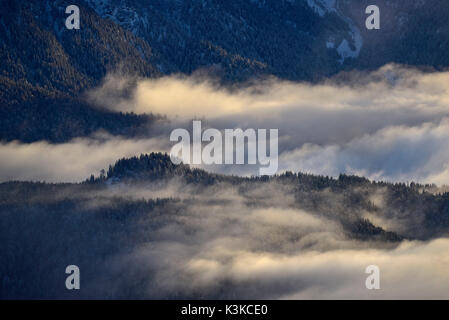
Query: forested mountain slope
column 46, row 68
column 147, row 204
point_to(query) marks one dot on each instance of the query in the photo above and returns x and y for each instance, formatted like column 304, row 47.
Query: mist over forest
column 148, row 229
column 363, row 165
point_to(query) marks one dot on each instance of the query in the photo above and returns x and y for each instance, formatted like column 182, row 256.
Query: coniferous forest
column 359, row 113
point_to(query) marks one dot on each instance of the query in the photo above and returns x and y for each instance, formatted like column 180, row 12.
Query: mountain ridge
column 311, row 193
column 235, row 41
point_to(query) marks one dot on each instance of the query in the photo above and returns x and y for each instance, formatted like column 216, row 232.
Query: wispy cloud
column 389, row 124
column 74, row 161
column 275, row 252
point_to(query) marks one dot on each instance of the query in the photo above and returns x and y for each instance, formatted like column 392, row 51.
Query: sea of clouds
column 391, row 124
column 222, row 246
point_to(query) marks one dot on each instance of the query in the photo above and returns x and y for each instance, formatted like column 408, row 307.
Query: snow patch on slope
column 347, row 48
column 344, row 49
column 322, row 6
column 120, row 14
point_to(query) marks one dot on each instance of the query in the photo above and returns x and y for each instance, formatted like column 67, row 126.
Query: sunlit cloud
column 390, row 124
column 74, row 161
